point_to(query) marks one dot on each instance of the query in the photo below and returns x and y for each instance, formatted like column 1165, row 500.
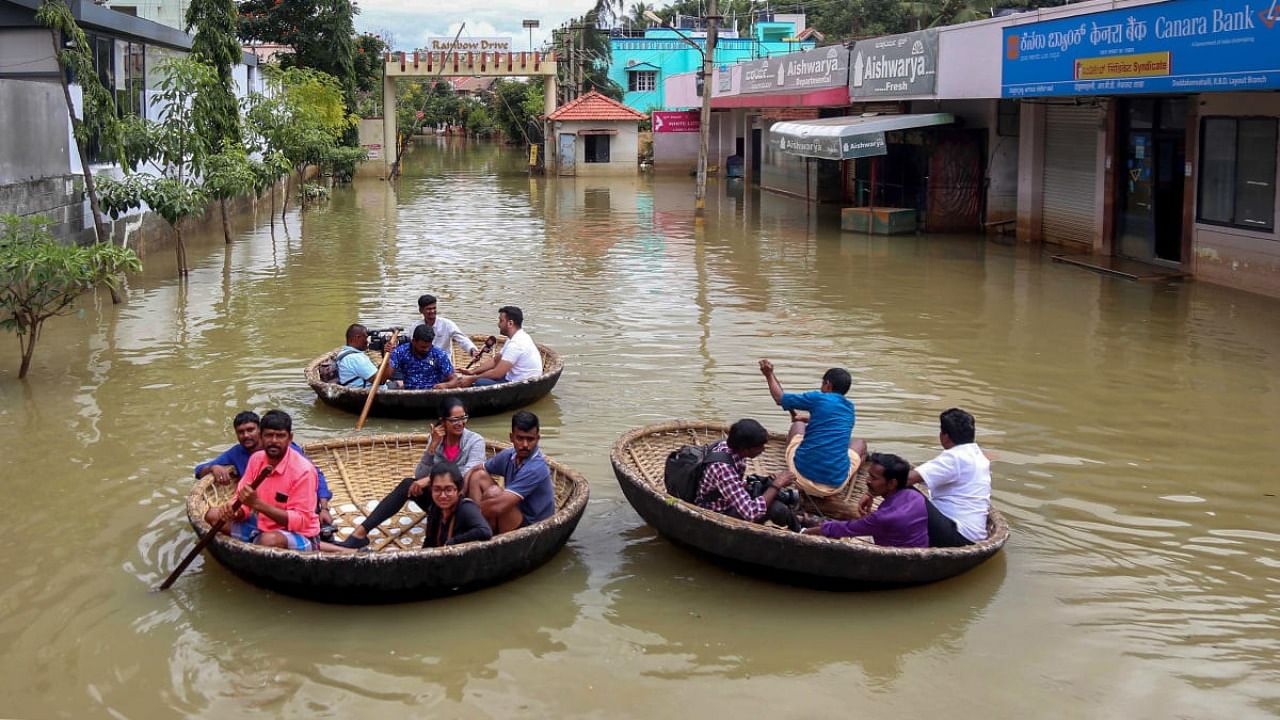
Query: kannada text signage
column 1181, row 46
column 676, row 122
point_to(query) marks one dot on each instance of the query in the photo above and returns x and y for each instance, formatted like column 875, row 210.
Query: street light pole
column 704, row 124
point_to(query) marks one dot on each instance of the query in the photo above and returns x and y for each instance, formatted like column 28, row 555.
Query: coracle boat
column 639, row 458
column 487, row 400
column 360, row 471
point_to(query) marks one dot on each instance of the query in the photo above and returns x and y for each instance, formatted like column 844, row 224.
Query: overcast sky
column 410, row 22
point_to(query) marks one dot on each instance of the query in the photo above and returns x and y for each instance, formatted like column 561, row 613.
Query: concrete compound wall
column 34, row 132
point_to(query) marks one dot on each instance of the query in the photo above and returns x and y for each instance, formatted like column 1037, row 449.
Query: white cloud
column 411, row 21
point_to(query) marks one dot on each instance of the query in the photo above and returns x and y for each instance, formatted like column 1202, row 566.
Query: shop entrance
column 1149, row 201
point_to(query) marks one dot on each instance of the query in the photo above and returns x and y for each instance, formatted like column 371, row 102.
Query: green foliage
column 41, row 278
column 313, row 191
column 515, row 108
column 582, row 44
column 320, row 32
column 340, row 162
column 99, row 106
column 304, row 119
column 176, row 143
column 229, row 174
column 216, row 45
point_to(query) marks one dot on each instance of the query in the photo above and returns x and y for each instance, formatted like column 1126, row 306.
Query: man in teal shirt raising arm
column 821, row 451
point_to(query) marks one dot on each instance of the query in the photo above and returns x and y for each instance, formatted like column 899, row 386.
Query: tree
column 41, row 278
column 217, row 112
column 320, row 33
column 99, row 115
column 368, row 69
column 176, row 145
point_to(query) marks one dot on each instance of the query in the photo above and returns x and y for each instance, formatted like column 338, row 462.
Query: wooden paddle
column 213, row 532
column 377, row 379
column 488, row 345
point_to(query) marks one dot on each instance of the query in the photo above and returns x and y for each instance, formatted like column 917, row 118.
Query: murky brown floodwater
column 1133, row 425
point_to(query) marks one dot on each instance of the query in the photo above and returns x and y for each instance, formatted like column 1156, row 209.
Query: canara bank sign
column 1182, row 46
column 896, row 65
column 484, row 44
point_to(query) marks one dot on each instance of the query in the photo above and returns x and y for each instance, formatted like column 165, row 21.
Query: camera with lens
column 378, row 339
column 757, row 484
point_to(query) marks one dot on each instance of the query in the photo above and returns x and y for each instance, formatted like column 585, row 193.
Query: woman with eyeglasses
column 452, row 444
column 451, row 441
column 451, row 518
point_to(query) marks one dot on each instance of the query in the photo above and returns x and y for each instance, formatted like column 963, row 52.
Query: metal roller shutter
column 1070, row 174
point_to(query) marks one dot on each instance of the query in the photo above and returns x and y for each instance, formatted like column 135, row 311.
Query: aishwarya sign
column 904, row 64
column 815, row 69
column 482, row 44
column 827, row 147
column 1181, row 46
column 676, row 122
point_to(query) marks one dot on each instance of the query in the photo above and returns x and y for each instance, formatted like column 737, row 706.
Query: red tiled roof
column 594, row 106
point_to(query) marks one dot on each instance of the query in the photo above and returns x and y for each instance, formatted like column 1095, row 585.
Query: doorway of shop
column 1152, row 157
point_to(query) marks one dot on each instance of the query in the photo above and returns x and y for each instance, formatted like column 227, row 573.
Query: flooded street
column 1132, row 428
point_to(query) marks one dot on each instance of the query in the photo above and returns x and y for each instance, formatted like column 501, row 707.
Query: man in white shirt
column 445, row 329
column 959, row 482
column 520, row 359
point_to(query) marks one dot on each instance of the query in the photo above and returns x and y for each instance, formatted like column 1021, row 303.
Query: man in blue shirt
column 229, row 466
column 355, row 369
column 423, row 366
column 527, row 494
column 821, row 450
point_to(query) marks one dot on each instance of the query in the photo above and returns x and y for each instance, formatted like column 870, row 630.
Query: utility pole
column 582, row 54
column 704, row 125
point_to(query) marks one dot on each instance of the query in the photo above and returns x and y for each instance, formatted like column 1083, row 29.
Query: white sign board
column 469, row 44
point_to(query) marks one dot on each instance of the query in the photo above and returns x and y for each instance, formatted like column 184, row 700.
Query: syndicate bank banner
column 904, row 64
column 1182, row 46
column 816, row 69
column 483, row 44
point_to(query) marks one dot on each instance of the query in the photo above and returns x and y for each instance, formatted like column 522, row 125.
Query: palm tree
column 636, row 19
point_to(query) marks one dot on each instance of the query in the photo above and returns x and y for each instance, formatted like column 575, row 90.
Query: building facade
column 640, row 65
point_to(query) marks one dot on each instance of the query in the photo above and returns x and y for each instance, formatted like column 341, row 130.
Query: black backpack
column 685, row 467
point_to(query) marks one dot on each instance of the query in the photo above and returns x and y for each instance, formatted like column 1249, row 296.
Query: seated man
column 723, row 486
column 281, row 512
column 959, row 482
column 900, row 521
column 445, row 329
column 230, row 465
column 527, row 494
column 821, row 450
column 520, row 358
column 355, row 369
column 423, row 366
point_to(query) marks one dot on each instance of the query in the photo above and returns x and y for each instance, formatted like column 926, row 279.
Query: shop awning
column 844, row 138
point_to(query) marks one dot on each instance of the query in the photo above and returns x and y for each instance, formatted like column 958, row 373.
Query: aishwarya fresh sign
column 1181, row 46
column 896, row 65
column 674, row 122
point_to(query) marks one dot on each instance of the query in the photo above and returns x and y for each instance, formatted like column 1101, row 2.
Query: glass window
column 1238, row 172
column 597, row 148
column 642, row 80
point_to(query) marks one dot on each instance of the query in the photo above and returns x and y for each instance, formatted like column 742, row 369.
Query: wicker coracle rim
column 552, row 364
column 626, row 463
column 567, row 510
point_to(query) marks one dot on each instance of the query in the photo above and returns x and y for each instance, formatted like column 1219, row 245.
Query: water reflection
column 702, row 628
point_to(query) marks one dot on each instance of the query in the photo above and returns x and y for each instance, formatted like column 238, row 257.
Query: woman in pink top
column 451, row 441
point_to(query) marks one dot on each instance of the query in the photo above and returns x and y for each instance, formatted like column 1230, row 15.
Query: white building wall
column 624, row 147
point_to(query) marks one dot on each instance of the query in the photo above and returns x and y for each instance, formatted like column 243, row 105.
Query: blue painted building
column 640, row 64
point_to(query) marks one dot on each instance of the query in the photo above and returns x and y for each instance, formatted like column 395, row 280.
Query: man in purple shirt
column 902, row 520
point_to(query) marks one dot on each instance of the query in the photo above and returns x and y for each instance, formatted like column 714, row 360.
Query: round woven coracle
column 639, row 458
column 360, row 471
column 486, row 400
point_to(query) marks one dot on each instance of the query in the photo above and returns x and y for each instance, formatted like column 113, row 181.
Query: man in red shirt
column 282, row 511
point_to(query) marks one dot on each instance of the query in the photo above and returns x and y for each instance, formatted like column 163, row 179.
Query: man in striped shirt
column 723, row 488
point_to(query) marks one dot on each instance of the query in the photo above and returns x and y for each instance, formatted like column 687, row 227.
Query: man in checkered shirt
column 723, row 489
